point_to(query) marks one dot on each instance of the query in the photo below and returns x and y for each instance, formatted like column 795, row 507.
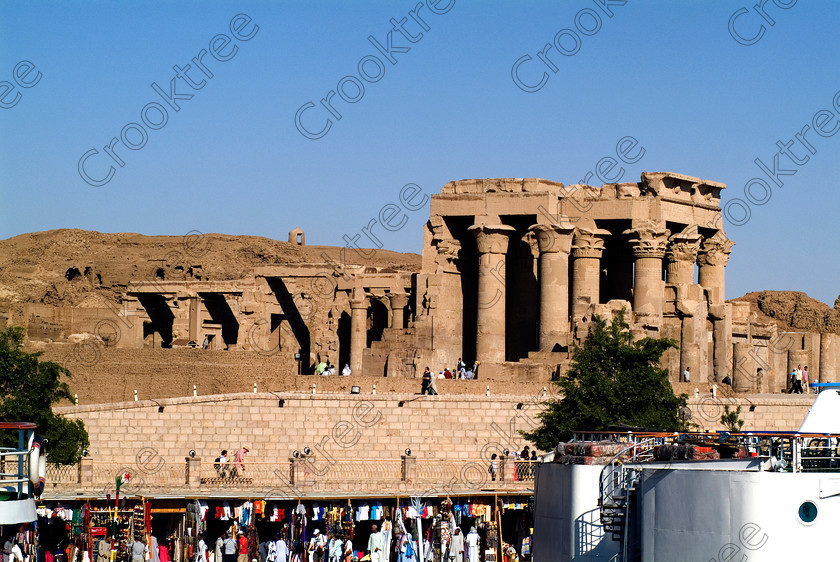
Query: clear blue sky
column 232, row 160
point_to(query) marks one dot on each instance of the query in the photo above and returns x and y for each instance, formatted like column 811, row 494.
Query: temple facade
column 513, row 272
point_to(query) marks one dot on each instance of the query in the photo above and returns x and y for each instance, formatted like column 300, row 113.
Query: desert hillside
column 81, row 268
column 794, row 310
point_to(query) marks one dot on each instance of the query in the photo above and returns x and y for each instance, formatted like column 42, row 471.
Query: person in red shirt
column 243, row 548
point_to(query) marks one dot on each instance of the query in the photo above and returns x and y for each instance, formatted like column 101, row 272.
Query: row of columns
column 358, row 322
column 650, row 242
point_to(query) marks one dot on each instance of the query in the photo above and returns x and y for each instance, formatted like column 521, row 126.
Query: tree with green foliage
column 732, row 420
column 612, row 380
column 28, row 389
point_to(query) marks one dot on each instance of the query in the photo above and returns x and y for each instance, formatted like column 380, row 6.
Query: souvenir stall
column 516, row 524
column 168, row 525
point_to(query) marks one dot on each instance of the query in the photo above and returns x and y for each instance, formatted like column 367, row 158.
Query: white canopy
column 824, row 415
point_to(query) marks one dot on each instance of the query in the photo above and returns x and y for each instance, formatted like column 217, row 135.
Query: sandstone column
column 743, row 372
column 492, row 243
column 648, row 241
column 398, row 303
column 712, row 258
column 721, row 317
column 680, row 258
column 555, row 244
column 195, row 319
column 358, row 328
column 714, row 254
column 587, row 249
column 828, row 357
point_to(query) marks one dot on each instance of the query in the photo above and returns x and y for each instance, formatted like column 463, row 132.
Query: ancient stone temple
column 513, row 272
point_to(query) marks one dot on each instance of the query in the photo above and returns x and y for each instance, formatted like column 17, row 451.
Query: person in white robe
column 376, row 545
column 456, row 546
column 472, row 541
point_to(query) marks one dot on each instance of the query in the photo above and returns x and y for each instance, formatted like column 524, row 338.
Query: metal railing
column 296, row 477
column 524, row 470
column 62, row 473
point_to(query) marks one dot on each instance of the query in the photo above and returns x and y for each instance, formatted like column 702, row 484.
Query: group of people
column 458, row 549
column 235, row 469
column 12, row 551
column 326, row 369
column 462, row 371
column 798, row 380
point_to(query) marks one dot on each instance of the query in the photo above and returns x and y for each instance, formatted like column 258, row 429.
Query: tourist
column 456, row 546
column 220, row 464
column 686, row 375
column 346, row 370
column 229, row 554
column 348, row 550
column 472, row 542
column 468, row 374
column 316, row 546
column 460, row 365
column 427, row 381
column 805, row 380
column 447, row 374
column 334, row 549
column 798, row 379
column 243, row 547
column 533, row 466
column 493, row 467
column 792, row 382
column 239, row 464
column 327, row 370
column 376, row 542
column 462, row 373
column 201, row 551
column 475, row 369
column 138, row 551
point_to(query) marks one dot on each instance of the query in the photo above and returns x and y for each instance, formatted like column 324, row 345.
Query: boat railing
column 786, row 451
column 14, row 461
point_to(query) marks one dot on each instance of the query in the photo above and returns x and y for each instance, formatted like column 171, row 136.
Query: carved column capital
column 683, row 247
column 398, row 300
column 589, row 242
column 358, row 298
column 715, row 250
column 554, row 238
column 492, row 239
column 648, row 239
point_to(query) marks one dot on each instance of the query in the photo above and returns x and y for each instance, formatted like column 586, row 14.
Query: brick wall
column 340, row 425
column 358, row 426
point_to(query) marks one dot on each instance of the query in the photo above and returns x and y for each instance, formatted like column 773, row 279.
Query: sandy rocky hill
column 81, row 268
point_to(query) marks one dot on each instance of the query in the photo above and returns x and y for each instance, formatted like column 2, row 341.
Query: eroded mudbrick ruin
column 513, row 271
